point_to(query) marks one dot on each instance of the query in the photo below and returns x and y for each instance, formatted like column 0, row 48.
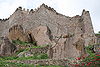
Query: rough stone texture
column 40, row 50
column 66, row 32
column 41, row 35
column 59, row 62
column 25, row 54
column 98, row 39
column 1, row 38
column 34, row 51
column 97, row 48
column 7, row 48
column 17, row 33
column 88, row 35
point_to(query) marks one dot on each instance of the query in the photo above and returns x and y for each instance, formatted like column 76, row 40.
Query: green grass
column 4, row 59
column 12, row 64
column 41, row 56
column 28, row 43
column 4, row 62
column 97, row 34
column 9, row 64
column 29, row 48
column 8, row 58
column 22, row 43
column 39, row 46
column 38, row 56
column 20, row 50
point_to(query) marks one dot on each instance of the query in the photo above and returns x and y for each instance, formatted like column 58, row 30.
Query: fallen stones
column 25, row 54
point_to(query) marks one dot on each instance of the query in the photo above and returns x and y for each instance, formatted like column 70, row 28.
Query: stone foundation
column 60, row 62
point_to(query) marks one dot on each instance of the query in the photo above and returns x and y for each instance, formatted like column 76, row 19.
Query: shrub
column 22, row 42
column 8, row 58
column 42, row 56
column 20, row 50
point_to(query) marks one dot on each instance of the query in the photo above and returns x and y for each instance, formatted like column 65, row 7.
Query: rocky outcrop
column 7, row 48
column 16, row 32
column 46, row 26
column 41, row 35
column 62, row 48
column 89, row 35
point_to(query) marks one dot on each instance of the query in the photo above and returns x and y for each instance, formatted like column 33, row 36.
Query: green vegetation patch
column 22, row 43
column 9, row 64
column 37, row 56
column 97, row 34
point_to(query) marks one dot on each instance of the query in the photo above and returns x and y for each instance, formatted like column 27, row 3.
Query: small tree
column 99, row 32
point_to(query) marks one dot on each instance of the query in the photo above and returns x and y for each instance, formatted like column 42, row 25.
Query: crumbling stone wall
column 97, row 48
column 40, row 50
column 59, row 62
column 98, row 39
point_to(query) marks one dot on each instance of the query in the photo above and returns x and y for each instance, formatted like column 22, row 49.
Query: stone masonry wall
column 98, row 39
column 59, row 62
column 40, row 50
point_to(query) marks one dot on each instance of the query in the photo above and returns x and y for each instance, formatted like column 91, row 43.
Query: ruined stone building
column 66, row 35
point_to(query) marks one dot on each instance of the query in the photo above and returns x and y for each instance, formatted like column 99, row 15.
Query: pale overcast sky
column 66, row 7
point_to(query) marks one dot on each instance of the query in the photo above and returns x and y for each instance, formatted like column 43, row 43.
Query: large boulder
column 16, row 32
column 41, row 35
column 7, row 48
column 62, row 48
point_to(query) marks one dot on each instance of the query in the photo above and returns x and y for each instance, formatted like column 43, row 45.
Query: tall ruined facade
column 67, row 35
